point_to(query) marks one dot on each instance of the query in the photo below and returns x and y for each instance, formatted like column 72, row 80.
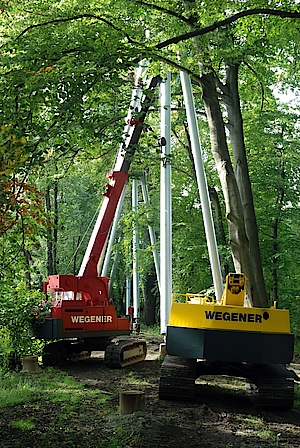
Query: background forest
column 67, row 71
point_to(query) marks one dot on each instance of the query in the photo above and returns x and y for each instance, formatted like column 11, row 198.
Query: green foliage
column 18, row 318
column 297, row 344
column 5, row 347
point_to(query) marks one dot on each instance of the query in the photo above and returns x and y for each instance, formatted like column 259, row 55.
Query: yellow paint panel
column 268, row 320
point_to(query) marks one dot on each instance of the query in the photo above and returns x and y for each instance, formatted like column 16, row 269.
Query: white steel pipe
column 202, row 184
column 151, row 230
column 135, row 264
column 128, row 294
column 165, row 207
column 113, row 271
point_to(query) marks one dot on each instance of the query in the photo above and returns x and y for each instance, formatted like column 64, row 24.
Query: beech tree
column 236, row 185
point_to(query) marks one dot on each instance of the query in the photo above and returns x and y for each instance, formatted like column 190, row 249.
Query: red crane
column 82, row 316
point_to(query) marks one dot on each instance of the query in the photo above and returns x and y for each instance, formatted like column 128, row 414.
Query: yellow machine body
column 227, row 330
column 225, row 317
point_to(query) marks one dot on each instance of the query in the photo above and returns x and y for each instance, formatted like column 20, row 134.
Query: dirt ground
column 220, row 417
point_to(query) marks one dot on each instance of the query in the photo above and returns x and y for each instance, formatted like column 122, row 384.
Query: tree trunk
column 76, row 245
column 236, row 132
column 221, row 237
column 239, row 242
column 149, row 315
column 27, row 257
column 275, row 259
column 235, row 183
column 55, row 226
column 49, row 235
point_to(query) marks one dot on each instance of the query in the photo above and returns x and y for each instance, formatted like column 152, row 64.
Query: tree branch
column 77, row 17
column 229, row 20
column 260, row 83
column 165, row 10
column 176, row 39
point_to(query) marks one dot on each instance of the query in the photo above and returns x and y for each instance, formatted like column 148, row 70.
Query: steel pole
column 128, row 293
column 202, row 184
column 135, row 265
column 165, row 207
column 151, row 230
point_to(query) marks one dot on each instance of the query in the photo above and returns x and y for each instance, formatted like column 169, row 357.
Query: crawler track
column 59, row 352
column 271, row 387
column 124, row 353
column 177, row 378
column 118, row 354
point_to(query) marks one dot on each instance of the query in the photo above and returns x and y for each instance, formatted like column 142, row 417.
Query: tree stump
column 30, row 364
column 131, row 401
column 162, row 350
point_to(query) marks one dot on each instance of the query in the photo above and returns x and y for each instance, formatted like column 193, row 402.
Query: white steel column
column 202, row 184
column 113, row 271
column 151, row 230
column 128, row 293
column 165, row 208
column 135, row 243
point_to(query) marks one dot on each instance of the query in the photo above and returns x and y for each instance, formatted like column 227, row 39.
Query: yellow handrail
column 193, row 298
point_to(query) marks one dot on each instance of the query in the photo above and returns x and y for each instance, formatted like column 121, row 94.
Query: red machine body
column 83, row 305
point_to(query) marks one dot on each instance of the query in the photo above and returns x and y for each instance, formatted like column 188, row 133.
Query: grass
column 24, row 424
column 232, row 385
column 254, row 426
column 16, row 388
column 134, row 380
column 297, row 395
column 52, row 385
column 153, row 330
column 54, row 410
